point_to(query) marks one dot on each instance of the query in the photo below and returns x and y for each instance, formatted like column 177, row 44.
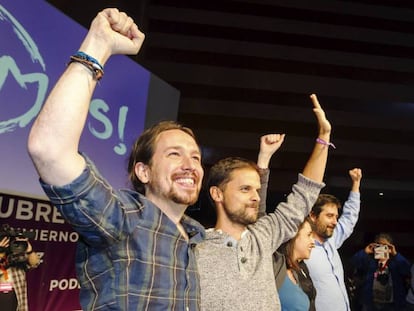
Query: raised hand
column 269, row 144
column 391, row 249
column 356, row 176
column 369, row 249
column 324, row 125
column 315, row 167
column 112, row 32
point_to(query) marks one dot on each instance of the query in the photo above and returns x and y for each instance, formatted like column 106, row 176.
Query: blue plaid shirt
column 130, row 255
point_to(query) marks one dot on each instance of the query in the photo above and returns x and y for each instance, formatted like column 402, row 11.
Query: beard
column 241, row 216
column 187, row 199
column 180, row 197
column 324, row 231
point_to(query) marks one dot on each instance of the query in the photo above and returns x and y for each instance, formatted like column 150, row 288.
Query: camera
column 381, row 251
column 16, row 251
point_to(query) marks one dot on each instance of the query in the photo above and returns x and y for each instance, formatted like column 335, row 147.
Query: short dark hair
column 325, row 199
column 143, row 148
column 384, row 236
column 220, row 173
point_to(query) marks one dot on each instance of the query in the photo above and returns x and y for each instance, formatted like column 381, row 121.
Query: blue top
column 130, row 255
column 325, row 265
column 292, row 297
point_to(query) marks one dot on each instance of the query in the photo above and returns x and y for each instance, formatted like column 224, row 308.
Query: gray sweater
column 238, row 275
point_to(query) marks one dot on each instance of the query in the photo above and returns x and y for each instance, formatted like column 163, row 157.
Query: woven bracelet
column 89, row 58
column 325, row 143
column 89, row 62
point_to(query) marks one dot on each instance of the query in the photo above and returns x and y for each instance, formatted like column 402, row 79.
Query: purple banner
column 33, row 54
column 36, row 41
column 53, row 285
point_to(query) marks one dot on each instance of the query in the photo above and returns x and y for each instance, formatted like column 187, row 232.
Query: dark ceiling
column 246, row 68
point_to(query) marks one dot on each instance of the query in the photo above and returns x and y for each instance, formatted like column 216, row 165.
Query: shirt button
column 243, row 260
column 229, row 244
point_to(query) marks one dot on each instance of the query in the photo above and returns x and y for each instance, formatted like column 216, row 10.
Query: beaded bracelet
column 89, row 62
column 322, row 142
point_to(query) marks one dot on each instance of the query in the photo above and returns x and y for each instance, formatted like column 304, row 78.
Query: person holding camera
column 381, row 273
column 13, row 267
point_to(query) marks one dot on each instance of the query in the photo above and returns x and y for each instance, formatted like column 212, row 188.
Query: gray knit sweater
column 238, row 275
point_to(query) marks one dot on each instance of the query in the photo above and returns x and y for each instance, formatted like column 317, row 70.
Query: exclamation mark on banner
column 121, row 148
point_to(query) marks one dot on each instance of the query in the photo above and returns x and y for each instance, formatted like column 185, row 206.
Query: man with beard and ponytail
column 235, row 261
column 330, row 232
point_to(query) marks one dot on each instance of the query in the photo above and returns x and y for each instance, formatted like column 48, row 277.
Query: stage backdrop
column 36, row 41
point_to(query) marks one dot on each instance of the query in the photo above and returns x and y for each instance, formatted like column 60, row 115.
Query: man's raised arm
column 315, row 167
column 54, row 137
column 269, row 144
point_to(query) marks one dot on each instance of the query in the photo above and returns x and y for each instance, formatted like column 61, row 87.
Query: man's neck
column 234, row 230
column 318, row 238
column 173, row 211
column 175, row 214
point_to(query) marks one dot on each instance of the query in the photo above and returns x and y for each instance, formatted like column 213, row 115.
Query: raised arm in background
column 315, row 167
column 269, row 144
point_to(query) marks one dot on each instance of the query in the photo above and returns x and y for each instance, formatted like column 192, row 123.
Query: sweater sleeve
column 264, row 181
column 282, row 224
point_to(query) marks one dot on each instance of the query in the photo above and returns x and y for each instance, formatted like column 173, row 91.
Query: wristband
column 89, row 62
column 325, row 143
column 89, row 58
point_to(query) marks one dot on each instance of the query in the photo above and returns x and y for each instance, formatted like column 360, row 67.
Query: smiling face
column 304, row 242
column 325, row 222
column 175, row 173
column 240, row 198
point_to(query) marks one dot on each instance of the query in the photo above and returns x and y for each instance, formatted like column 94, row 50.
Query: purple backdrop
column 36, row 41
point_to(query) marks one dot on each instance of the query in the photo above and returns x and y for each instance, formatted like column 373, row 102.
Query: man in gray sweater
column 235, row 261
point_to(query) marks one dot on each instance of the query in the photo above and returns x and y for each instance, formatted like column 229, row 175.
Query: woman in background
column 296, row 290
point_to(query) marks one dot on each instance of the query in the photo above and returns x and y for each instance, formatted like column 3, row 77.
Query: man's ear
column 142, row 171
column 312, row 216
column 216, row 194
